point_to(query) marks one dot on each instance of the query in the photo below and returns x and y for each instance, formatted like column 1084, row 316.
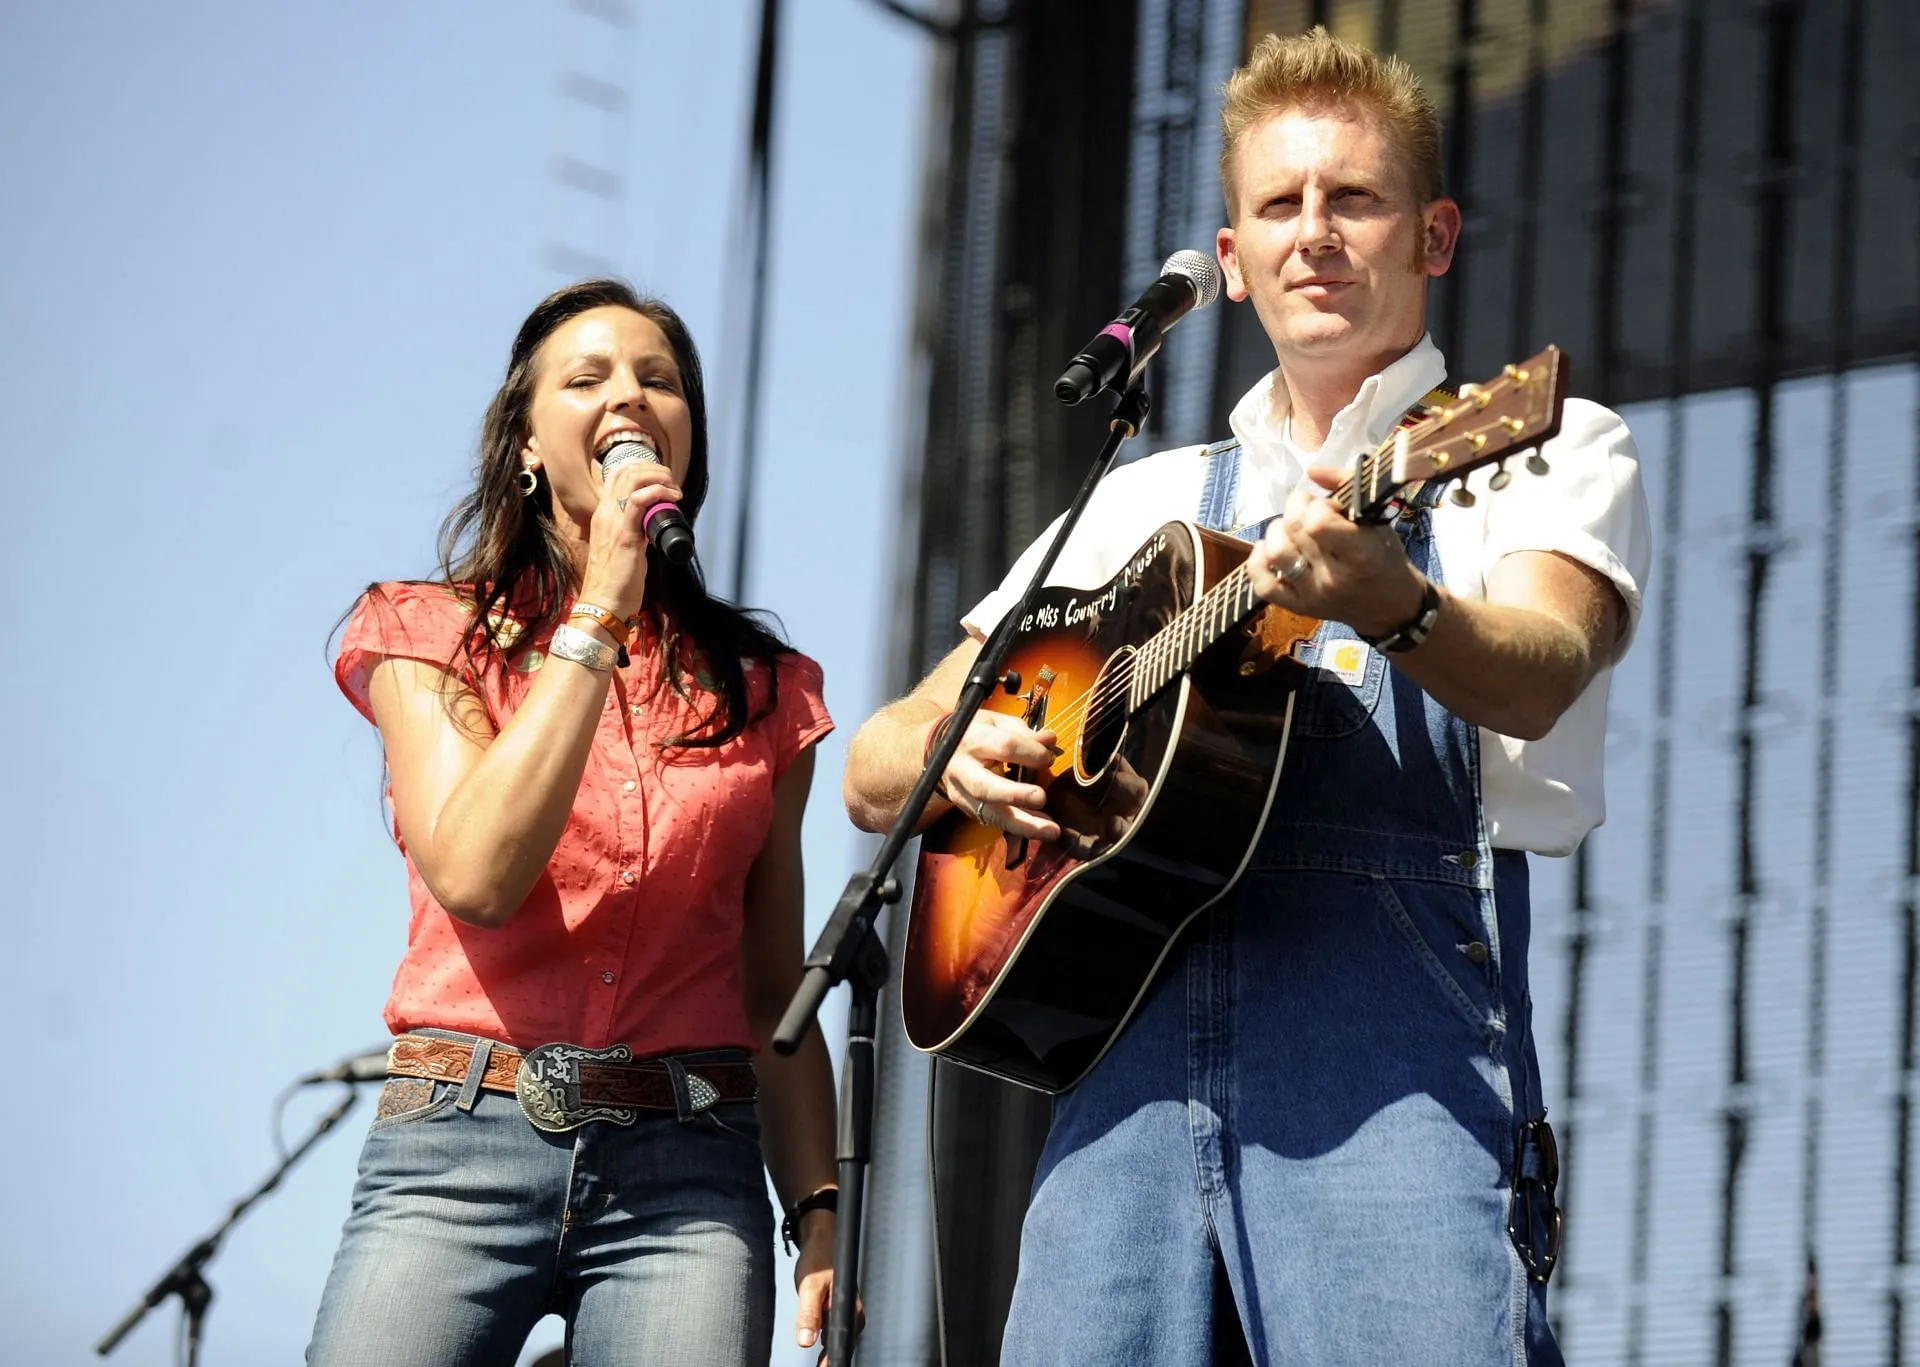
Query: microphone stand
column 185, row 1278
column 849, row 951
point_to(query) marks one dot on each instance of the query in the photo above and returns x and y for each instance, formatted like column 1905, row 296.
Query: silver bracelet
column 571, row 643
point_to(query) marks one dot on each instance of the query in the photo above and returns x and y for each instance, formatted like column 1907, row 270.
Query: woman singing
column 597, row 773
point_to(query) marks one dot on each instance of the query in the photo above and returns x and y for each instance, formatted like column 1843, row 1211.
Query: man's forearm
column 884, row 760
column 1512, row 670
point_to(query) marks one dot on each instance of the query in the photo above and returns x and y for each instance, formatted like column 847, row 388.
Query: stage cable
column 1606, row 311
column 759, row 216
column 1762, row 537
column 1666, row 588
column 1807, row 1347
column 933, row 1207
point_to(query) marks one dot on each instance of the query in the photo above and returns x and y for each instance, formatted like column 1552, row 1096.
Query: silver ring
column 1294, row 570
column 980, row 811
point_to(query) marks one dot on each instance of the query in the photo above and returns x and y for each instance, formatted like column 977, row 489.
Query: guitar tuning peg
column 1461, row 497
column 1501, row 479
column 1537, row 464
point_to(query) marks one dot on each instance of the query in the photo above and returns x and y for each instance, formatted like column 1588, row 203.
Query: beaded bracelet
column 571, row 643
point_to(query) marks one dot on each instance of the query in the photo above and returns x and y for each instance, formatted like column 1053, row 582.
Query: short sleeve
column 1588, row 506
column 800, row 713
column 409, row 621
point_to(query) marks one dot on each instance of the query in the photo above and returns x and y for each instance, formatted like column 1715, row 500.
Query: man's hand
column 1317, row 561
column 977, row 781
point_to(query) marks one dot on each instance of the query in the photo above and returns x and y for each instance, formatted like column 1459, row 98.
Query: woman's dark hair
column 504, row 547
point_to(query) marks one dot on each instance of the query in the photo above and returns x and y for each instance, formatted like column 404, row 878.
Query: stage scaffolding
column 1714, row 205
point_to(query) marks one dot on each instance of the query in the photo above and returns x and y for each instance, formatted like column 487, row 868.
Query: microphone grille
column 1200, row 269
column 624, row 452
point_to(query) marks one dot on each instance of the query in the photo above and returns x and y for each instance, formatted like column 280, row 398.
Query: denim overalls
column 1312, row 1125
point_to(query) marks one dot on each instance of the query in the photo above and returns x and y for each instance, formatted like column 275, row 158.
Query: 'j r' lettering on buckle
column 548, row 1087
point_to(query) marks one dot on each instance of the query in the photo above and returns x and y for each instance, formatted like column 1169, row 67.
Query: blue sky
column 262, row 266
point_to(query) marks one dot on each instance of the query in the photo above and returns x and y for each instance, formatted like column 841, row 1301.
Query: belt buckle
column 548, row 1087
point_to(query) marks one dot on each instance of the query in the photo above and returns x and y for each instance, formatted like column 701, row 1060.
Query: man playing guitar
column 1324, row 1123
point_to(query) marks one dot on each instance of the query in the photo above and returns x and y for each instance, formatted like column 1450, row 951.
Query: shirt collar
column 1259, row 420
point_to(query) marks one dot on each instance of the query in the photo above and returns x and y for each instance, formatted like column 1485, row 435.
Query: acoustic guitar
column 1171, row 689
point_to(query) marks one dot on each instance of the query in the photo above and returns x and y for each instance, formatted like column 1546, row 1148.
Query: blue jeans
column 654, row 1241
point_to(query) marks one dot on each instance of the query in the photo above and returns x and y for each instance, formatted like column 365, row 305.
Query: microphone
column 368, row 1067
column 667, row 527
column 1188, row 281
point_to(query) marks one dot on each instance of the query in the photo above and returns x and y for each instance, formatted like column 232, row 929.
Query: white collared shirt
column 1542, row 796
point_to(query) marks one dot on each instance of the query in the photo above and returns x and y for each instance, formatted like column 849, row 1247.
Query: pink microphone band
column 655, row 511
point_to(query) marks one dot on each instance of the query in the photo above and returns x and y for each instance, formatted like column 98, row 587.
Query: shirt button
column 1476, row 953
column 629, row 785
column 627, row 876
column 635, row 709
column 607, row 978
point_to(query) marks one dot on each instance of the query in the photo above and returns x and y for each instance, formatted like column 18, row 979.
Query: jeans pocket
column 1437, row 939
column 407, row 1100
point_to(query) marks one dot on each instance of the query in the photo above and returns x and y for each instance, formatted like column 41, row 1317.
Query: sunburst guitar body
column 1025, row 958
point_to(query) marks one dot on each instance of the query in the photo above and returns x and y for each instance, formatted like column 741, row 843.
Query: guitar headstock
column 1516, row 409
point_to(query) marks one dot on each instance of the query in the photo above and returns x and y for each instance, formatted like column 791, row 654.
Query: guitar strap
column 1220, row 494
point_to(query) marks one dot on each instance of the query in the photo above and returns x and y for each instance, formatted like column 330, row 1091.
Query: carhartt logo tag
column 1346, row 661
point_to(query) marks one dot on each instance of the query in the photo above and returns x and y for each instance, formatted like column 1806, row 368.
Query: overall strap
column 1221, row 491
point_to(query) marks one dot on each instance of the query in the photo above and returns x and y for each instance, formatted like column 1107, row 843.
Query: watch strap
column 1411, row 633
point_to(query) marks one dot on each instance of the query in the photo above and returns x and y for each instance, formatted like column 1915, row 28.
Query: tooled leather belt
column 561, row 1086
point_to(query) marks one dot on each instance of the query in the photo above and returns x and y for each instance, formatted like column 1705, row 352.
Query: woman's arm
column 482, row 812
column 796, row 1093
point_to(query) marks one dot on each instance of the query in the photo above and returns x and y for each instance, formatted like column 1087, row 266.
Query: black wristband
column 1410, row 634
column 827, row 1198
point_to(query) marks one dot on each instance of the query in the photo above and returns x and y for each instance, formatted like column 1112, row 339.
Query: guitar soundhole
column 1104, row 730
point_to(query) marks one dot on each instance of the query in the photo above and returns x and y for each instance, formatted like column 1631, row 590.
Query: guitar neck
column 1171, row 651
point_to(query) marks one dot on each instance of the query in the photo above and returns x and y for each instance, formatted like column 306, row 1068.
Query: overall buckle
column 548, row 1087
column 1535, row 1222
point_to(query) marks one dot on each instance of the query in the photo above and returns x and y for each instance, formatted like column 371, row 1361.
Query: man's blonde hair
column 1316, row 71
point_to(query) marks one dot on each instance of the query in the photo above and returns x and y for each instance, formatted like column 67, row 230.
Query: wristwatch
column 827, row 1198
column 1412, row 633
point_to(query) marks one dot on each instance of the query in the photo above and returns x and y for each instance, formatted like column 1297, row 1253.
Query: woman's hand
column 813, row 1279
column 977, row 781
column 616, row 573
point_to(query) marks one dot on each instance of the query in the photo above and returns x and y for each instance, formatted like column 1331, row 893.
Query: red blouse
column 632, row 935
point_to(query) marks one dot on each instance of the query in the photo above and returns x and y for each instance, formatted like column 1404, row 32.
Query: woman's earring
column 529, row 481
